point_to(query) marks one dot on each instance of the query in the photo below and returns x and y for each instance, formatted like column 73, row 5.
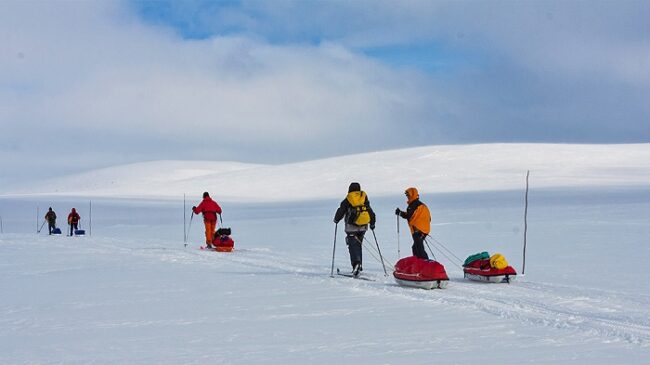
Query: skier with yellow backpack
column 358, row 214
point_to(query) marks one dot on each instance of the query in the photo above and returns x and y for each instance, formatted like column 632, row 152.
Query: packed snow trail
column 554, row 306
column 137, row 290
column 602, row 314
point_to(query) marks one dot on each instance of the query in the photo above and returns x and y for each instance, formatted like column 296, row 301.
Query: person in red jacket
column 210, row 209
column 73, row 221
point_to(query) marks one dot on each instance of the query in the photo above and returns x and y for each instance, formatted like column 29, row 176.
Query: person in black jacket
column 358, row 214
column 50, row 217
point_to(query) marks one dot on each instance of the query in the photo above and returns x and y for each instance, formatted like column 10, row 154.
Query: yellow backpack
column 363, row 217
column 358, row 214
column 498, row 261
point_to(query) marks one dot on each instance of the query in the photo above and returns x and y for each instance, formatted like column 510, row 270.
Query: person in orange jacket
column 419, row 218
column 73, row 221
column 210, row 209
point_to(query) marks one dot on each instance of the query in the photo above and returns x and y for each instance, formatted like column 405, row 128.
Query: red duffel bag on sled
column 490, row 269
column 418, row 273
column 222, row 241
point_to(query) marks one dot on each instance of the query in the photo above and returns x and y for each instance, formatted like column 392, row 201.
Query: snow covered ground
column 133, row 293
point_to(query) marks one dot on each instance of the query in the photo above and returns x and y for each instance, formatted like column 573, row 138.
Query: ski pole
column 190, row 226
column 398, row 251
column 523, row 268
column 184, row 222
column 334, row 249
column 378, row 250
column 372, row 250
column 90, row 218
column 39, row 230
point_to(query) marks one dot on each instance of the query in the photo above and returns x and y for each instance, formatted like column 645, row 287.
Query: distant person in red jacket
column 73, row 221
column 210, row 209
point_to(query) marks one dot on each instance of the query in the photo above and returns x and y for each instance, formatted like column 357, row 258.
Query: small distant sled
column 79, row 232
column 488, row 269
column 56, row 231
column 222, row 241
column 415, row 272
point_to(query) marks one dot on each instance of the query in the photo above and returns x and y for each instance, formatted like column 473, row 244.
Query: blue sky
column 105, row 83
column 196, row 20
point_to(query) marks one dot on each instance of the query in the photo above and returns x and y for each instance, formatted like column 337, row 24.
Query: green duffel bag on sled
column 477, row 256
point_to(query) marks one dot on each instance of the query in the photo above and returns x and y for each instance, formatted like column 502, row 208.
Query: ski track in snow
column 611, row 316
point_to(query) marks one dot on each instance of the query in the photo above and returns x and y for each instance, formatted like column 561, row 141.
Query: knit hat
column 355, row 186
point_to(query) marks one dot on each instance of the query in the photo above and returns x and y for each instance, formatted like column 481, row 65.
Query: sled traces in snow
column 217, row 249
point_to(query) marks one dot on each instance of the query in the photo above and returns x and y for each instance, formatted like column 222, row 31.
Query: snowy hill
column 135, row 291
column 431, row 169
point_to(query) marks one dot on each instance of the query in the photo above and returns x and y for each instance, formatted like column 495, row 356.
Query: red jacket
column 73, row 217
column 209, row 208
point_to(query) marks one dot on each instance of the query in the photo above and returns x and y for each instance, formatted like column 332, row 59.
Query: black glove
column 194, row 207
column 372, row 227
column 397, row 211
column 335, row 221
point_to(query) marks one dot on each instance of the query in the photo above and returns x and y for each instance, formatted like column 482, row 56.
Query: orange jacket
column 417, row 213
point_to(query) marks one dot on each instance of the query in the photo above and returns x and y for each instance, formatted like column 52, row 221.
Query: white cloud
column 93, row 68
column 606, row 37
column 93, row 85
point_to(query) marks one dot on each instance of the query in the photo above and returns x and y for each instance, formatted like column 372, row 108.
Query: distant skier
column 50, row 217
column 358, row 215
column 73, row 221
column 210, row 209
column 419, row 218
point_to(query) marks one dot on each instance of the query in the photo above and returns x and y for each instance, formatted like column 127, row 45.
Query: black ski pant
column 418, row 246
column 73, row 227
column 354, row 240
column 50, row 226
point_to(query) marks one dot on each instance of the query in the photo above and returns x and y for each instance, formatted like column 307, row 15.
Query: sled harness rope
column 374, row 252
column 456, row 262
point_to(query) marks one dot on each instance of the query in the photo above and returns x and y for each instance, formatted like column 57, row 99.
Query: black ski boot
column 356, row 270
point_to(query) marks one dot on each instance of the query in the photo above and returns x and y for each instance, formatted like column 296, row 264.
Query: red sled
column 418, row 273
column 222, row 241
column 480, row 270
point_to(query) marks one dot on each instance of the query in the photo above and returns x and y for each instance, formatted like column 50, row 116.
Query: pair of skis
column 351, row 275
